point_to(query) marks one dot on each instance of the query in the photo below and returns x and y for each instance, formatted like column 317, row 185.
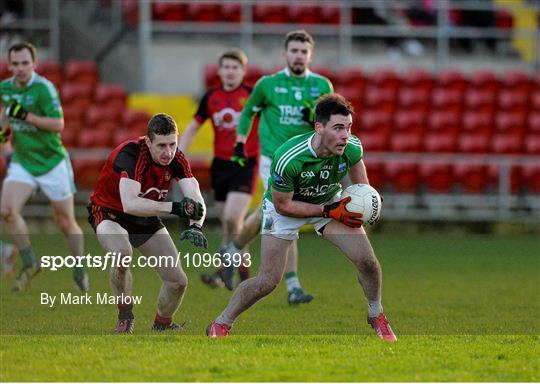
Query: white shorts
column 264, row 170
column 286, row 227
column 57, row 184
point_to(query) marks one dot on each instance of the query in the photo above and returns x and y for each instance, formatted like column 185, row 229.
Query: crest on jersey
column 278, row 180
column 342, row 167
column 28, row 100
column 314, row 91
column 167, row 176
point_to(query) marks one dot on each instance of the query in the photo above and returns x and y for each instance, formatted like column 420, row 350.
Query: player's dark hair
column 300, row 35
column 331, row 104
column 161, row 124
column 234, row 54
column 20, row 46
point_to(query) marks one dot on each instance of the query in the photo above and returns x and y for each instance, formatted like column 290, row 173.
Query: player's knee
column 233, row 224
column 369, row 266
column 268, row 284
column 179, row 284
column 6, row 214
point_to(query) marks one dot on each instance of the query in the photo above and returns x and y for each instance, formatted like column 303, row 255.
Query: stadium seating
column 4, row 70
column 110, row 96
column 52, row 70
column 452, row 80
column 401, row 177
column 78, row 95
column 436, row 178
column 82, row 72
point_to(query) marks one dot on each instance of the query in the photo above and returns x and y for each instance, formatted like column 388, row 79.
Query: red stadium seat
column 305, row 12
column 110, row 96
column 52, row 70
column 533, row 125
column 135, row 121
column 386, row 79
column 531, row 143
column 473, row 143
column 201, row 171
column 169, row 11
column 268, row 12
column 87, row 172
column 479, row 122
column 419, row 79
column 102, row 119
column 253, row 74
column 383, row 99
column 485, row 80
column 73, row 119
column 82, row 72
column 351, row 77
column 231, row 12
column 405, row 142
column 480, row 100
column 207, row 12
column 121, row 135
column 375, row 121
column 130, row 12
column 535, row 100
column 517, row 81
column 90, row 138
column 414, row 99
column 69, row 137
column 442, row 142
column 506, row 143
column 436, row 178
column 4, row 70
column 329, row 14
column 510, row 122
column 211, row 77
column 530, row 177
column 375, row 172
column 374, row 141
column 515, row 101
column 472, row 178
column 402, row 178
column 450, row 100
column 355, row 97
column 452, row 80
column 410, row 121
column 326, row 72
column 77, row 95
column 444, row 122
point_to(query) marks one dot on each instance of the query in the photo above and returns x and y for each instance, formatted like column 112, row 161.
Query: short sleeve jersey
column 296, row 168
column 132, row 159
column 37, row 150
column 223, row 108
column 280, row 99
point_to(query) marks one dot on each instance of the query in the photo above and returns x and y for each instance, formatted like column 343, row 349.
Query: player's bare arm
column 135, row 205
column 358, row 173
column 285, row 205
column 46, row 123
column 188, row 135
column 189, row 187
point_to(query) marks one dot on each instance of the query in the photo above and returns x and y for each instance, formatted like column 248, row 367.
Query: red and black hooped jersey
column 132, row 159
column 223, row 108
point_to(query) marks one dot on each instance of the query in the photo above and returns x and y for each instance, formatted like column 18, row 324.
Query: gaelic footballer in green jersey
column 31, row 111
column 285, row 102
column 305, row 190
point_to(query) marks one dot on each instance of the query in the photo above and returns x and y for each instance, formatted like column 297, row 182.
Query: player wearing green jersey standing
column 31, row 111
column 304, row 188
column 285, row 101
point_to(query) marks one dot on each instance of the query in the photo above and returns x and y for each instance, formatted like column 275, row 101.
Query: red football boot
column 217, row 330
column 382, row 327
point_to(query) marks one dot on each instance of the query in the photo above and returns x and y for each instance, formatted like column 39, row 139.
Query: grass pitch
column 465, row 308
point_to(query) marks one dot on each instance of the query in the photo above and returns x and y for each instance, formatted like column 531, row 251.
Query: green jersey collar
column 32, row 78
column 307, row 73
column 311, row 147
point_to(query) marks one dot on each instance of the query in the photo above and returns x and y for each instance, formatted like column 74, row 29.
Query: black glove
column 239, row 156
column 188, row 208
column 195, row 235
column 17, row 111
column 308, row 115
column 4, row 135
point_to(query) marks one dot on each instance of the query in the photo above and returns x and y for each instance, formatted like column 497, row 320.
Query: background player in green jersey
column 305, row 188
column 285, row 102
column 31, row 111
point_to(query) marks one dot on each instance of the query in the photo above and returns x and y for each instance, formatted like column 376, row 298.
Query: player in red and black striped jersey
column 233, row 184
column 125, row 207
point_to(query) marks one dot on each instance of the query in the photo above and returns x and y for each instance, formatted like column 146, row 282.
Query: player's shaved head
column 21, row 46
column 300, row 35
column 234, row 54
column 331, row 104
column 161, row 124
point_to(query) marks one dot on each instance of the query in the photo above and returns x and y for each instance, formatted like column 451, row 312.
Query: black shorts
column 230, row 177
column 140, row 229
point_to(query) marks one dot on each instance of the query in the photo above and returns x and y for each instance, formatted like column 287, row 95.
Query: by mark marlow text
column 88, row 299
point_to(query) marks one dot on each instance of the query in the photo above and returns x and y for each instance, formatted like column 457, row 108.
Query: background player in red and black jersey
column 233, row 185
column 124, row 212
